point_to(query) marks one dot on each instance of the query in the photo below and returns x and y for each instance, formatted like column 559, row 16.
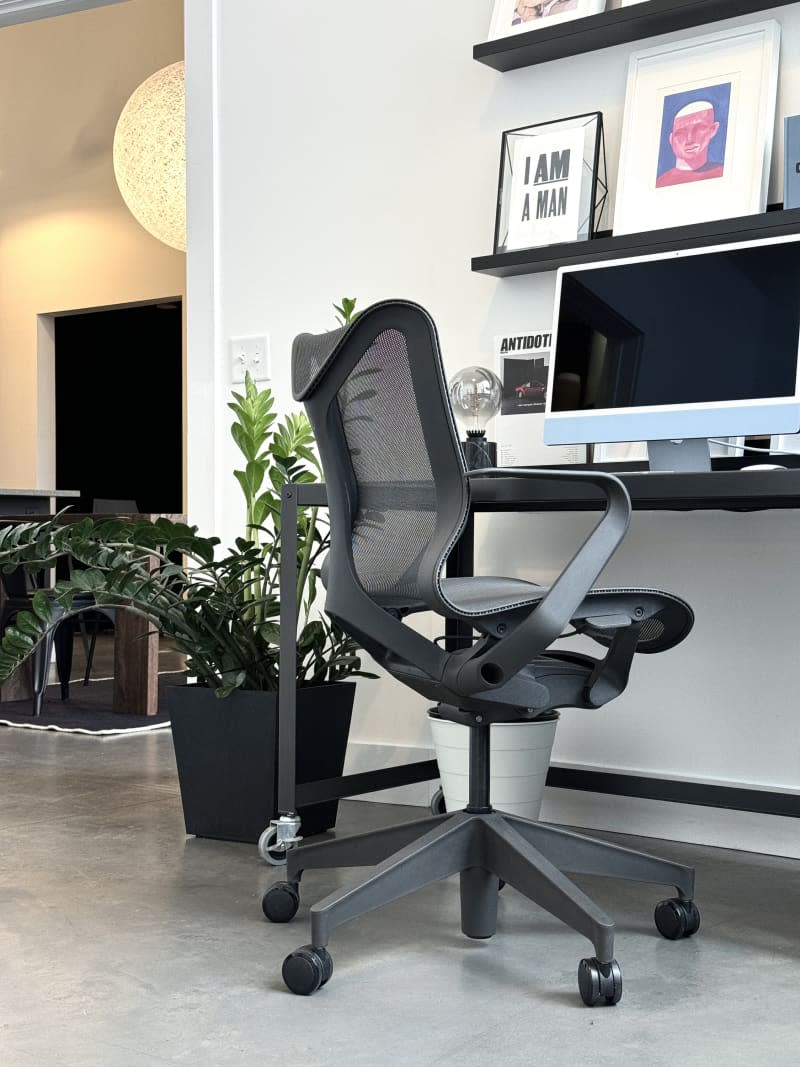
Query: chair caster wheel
column 677, row 918
column 280, row 902
column 307, row 969
column 268, row 850
column 599, row 983
column 438, row 806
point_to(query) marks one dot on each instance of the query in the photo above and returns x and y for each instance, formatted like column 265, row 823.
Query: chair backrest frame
column 336, row 357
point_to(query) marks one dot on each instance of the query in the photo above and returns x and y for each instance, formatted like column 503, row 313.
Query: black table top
column 728, row 487
column 726, row 490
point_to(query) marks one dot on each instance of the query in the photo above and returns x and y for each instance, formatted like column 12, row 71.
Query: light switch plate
column 250, row 354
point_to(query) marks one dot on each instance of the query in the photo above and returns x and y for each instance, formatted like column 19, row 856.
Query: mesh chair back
column 376, row 397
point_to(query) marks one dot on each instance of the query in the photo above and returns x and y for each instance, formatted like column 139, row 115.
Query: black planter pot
column 226, row 752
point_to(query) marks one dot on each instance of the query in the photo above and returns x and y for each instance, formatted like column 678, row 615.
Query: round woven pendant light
column 150, row 155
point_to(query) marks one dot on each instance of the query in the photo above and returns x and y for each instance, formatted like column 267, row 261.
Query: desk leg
column 135, row 665
column 461, row 564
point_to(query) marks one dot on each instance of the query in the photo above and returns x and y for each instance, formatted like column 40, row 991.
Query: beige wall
column 67, row 241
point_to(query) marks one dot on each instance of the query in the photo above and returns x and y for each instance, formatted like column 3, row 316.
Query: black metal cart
column 284, row 832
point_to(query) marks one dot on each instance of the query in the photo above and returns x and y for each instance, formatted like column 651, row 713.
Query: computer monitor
column 677, row 347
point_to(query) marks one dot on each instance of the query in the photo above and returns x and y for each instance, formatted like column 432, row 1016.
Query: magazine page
column 523, row 365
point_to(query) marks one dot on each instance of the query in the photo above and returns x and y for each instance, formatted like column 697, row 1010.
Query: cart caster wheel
column 268, row 850
column 437, row 803
column 599, row 983
column 677, row 918
column 280, row 902
column 307, row 969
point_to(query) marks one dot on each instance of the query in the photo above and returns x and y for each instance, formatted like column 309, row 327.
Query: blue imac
column 676, row 348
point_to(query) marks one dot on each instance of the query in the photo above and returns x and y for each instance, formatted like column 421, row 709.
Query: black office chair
column 96, row 618
column 19, row 588
column 91, row 618
column 399, row 494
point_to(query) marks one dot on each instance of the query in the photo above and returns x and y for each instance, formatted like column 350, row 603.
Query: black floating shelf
column 647, row 19
column 774, row 223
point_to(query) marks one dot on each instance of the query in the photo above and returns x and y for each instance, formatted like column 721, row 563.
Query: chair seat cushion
column 485, row 596
column 667, row 619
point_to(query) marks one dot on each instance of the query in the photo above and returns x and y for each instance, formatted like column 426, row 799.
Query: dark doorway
column 119, row 404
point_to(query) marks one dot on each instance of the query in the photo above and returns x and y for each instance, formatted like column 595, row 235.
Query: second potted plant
column 226, row 749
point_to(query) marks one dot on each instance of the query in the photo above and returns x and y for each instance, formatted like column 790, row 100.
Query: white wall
column 67, row 240
column 354, row 151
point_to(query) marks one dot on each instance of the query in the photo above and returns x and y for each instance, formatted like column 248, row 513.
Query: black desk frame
column 725, row 488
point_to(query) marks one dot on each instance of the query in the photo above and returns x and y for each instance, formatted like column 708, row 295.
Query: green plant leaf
column 346, row 310
column 40, row 602
column 28, row 624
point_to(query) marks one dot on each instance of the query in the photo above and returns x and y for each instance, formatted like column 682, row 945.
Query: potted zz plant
column 221, row 609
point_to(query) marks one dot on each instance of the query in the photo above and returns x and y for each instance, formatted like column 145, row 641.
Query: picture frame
column 697, row 129
column 552, row 183
column 791, row 161
column 510, row 17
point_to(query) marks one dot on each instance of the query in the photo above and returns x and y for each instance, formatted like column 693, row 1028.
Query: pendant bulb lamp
column 150, row 155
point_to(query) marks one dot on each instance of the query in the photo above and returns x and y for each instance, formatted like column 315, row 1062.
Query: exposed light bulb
column 476, row 394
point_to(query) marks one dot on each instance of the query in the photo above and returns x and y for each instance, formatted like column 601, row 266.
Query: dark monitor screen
column 691, row 329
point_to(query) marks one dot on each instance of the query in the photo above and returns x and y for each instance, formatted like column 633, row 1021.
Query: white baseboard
column 774, row 835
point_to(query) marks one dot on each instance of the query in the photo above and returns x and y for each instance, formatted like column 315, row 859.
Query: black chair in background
column 19, row 588
column 398, row 494
column 90, row 623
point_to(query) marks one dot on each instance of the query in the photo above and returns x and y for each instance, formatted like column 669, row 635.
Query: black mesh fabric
column 310, row 356
column 396, row 516
column 667, row 628
column 653, row 630
column 487, row 596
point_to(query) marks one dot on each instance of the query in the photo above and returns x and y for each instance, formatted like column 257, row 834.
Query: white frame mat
column 745, row 58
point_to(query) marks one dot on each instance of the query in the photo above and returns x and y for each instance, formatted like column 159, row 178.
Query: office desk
column 727, row 487
column 33, row 501
column 135, row 642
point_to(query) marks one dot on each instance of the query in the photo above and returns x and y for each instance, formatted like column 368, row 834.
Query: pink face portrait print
column 694, row 133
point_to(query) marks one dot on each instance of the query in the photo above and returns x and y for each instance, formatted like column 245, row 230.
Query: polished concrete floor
column 122, row 942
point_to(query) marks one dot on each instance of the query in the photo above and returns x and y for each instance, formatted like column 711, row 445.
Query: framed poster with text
column 550, row 175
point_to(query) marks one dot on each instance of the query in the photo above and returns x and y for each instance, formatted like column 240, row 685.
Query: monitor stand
column 691, row 454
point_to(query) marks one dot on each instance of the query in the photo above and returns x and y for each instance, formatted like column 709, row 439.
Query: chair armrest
column 488, row 665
